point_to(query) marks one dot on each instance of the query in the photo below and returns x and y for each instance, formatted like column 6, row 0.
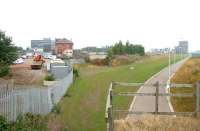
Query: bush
column 30, row 122
column 4, row 70
column 56, row 109
column 26, row 122
column 76, row 72
column 3, row 124
column 65, row 129
column 99, row 62
column 125, row 59
column 87, row 60
column 67, row 94
column 49, row 77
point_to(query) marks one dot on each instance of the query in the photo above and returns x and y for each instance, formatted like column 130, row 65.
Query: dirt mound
column 21, row 74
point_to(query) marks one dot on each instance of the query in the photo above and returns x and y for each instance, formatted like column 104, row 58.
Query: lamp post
column 168, row 84
column 174, row 57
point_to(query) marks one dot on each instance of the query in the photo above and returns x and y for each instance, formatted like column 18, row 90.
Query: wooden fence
column 109, row 105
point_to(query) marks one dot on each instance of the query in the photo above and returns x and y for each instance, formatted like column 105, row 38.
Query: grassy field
column 83, row 109
column 188, row 73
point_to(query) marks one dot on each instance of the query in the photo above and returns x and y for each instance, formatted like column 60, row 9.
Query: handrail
column 108, row 100
column 172, row 85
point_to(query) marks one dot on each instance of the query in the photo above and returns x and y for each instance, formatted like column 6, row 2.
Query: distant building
column 94, row 49
column 45, row 45
column 89, row 49
column 182, row 47
column 160, row 51
column 63, row 47
column 99, row 55
column 196, row 54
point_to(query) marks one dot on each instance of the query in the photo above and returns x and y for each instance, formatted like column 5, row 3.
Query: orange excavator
column 37, row 62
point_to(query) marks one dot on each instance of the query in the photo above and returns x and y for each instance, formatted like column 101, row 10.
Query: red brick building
column 63, row 47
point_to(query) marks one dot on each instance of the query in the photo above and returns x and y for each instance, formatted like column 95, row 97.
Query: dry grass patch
column 189, row 73
column 158, row 123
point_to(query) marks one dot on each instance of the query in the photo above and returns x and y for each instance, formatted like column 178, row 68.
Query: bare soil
column 22, row 74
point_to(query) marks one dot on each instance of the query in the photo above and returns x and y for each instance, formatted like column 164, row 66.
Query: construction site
column 23, row 74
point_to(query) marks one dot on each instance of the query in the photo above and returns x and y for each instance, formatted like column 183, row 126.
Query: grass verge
column 189, row 73
column 158, row 123
column 83, row 109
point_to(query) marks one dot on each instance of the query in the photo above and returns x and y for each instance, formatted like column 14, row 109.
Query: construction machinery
column 37, row 62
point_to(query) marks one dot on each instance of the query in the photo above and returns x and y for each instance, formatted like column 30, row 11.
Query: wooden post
column 156, row 97
column 197, row 99
column 110, row 121
column 111, row 96
column 110, row 110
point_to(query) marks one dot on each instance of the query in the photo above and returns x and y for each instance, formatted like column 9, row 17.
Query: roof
column 63, row 40
column 197, row 52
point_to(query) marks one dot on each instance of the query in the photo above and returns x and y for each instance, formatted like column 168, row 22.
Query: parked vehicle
column 29, row 55
column 24, row 56
column 19, row 61
column 49, row 56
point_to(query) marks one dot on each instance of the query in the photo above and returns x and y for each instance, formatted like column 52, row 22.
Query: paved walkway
column 147, row 103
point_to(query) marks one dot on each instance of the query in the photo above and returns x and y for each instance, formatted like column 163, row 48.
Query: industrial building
column 61, row 47
column 45, row 45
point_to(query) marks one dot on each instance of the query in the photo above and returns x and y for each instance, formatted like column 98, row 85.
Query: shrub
column 65, row 129
column 26, row 122
column 76, row 72
column 87, row 60
column 99, row 62
column 49, row 77
column 67, row 94
column 4, row 70
column 3, row 124
column 30, row 122
column 56, row 109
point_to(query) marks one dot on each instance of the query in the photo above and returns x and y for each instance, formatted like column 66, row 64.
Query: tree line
column 119, row 48
column 8, row 53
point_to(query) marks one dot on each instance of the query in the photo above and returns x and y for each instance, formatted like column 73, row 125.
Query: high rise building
column 182, row 47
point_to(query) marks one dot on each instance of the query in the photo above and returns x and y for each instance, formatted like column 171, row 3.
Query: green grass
column 84, row 107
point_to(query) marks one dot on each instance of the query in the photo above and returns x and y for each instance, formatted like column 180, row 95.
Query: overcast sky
column 152, row 23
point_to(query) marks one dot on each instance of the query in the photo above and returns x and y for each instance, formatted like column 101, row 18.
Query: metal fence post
column 156, row 97
column 197, row 96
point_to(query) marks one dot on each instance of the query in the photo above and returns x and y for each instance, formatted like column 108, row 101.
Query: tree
column 110, row 56
column 8, row 53
column 128, row 48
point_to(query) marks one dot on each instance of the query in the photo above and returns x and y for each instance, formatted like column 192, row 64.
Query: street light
column 169, row 67
column 174, row 56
